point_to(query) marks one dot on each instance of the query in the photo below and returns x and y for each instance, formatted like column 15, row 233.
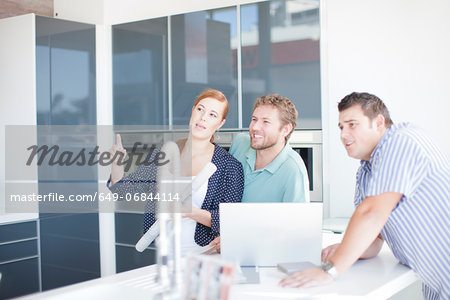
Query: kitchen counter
column 376, row 278
column 17, row 217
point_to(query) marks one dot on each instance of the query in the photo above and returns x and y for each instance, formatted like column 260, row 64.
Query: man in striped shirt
column 402, row 197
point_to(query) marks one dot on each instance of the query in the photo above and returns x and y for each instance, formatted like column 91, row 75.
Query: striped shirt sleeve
column 399, row 167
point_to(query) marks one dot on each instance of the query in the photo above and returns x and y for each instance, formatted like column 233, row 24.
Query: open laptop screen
column 265, row 234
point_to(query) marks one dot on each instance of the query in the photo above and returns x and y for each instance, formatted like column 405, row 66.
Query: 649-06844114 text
column 102, row 197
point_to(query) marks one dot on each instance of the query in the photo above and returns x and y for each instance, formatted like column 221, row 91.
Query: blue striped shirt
column 406, row 161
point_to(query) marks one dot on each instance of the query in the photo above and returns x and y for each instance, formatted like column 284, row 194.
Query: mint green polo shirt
column 283, row 180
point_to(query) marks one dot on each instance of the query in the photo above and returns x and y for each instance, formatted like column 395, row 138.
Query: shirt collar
column 274, row 164
column 366, row 166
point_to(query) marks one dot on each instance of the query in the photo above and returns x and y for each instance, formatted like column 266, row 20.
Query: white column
column 105, row 117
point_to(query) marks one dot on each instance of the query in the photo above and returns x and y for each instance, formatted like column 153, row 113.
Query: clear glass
column 65, row 72
column 140, row 73
column 66, row 90
column 66, row 95
column 204, row 46
column 280, row 54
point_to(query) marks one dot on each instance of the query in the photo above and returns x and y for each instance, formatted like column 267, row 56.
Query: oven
column 307, row 143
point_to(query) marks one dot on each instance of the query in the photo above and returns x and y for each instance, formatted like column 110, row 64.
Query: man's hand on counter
column 311, row 277
column 307, row 278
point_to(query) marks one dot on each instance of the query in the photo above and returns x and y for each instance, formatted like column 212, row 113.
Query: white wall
column 86, row 11
column 17, row 88
column 398, row 50
column 119, row 11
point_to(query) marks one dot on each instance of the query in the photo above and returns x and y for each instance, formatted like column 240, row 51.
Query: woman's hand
column 216, row 242
column 118, row 153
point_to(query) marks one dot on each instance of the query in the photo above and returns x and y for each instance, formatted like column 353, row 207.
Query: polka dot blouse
column 226, row 185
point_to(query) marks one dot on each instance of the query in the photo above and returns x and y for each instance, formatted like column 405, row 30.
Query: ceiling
column 10, row 8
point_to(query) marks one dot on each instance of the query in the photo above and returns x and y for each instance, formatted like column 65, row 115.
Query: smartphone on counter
column 293, row 267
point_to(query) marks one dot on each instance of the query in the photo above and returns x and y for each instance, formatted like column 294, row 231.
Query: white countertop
column 17, row 217
column 376, row 278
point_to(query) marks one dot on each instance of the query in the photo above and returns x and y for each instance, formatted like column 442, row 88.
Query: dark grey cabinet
column 19, row 259
column 128, row 231
column 69, row 249
column 66, row 95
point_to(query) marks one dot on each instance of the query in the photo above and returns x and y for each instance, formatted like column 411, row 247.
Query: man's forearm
column 373, row 249
column 361, row 234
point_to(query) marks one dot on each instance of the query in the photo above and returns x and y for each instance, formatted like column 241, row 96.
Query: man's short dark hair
column 371, row 105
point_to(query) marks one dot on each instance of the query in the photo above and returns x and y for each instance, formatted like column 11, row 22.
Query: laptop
column 268, row 234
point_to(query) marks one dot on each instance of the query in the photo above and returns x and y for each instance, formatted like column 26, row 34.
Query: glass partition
column 279, row 46
column 280, row 54
column 66, row 95
column 65, row 68
column 140, row 73
column 203, row 56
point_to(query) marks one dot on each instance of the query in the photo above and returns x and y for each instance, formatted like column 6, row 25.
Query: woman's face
column 206, row 118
